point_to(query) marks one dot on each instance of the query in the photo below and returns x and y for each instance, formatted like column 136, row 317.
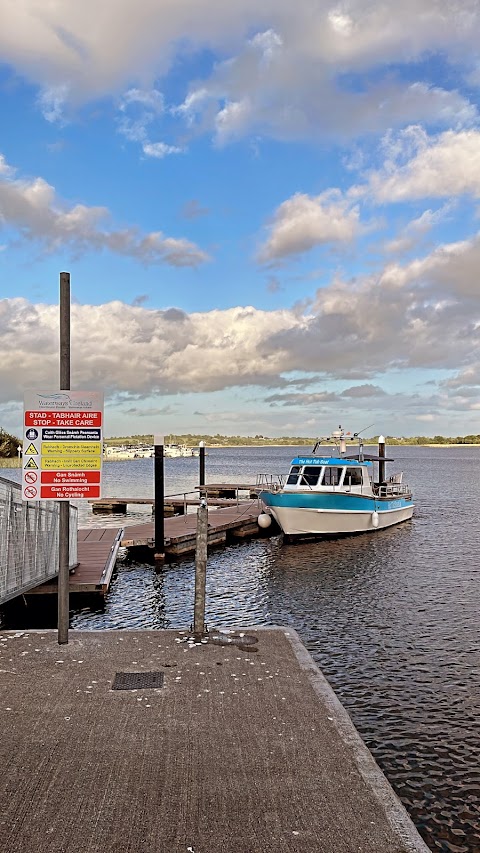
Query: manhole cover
column 137, row 680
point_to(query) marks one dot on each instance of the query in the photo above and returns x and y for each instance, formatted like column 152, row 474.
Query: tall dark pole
column 201, row 474
column 64, row 506
column 381, row 459
column 159, row 495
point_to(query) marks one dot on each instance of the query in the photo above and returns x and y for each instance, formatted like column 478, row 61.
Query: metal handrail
column 29, row 538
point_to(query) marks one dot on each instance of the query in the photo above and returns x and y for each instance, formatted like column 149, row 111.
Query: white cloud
column 424, row 315
column 447, row 165
column 52, row 102
column 33, row 210
column 289, row 62
column 159, row 150
column 303, row 222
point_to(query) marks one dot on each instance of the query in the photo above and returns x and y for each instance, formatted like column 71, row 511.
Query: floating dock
column 97, row 553
column 225, row 524
column 139, row 741
column 98, row 546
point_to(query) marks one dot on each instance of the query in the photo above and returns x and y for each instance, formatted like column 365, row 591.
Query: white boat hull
column 299, row 521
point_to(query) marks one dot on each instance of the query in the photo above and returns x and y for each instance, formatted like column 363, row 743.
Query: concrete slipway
column 239, row 751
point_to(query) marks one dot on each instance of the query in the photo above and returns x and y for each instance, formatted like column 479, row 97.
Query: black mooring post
column 159, row 496
column 201, row 474
column 64, row 506
column 381, row 459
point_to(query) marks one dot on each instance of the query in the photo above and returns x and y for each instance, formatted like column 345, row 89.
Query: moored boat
column 338, row 494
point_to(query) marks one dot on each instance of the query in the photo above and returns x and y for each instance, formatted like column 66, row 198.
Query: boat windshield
column 332, row 476
column 353, row 477
column 310, row 475
column 293, row 475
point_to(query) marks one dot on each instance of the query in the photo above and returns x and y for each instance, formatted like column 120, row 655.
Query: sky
column 269, row 213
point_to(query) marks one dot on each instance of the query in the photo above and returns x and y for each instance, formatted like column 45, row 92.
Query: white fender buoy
column 264, row 520
column 375, row 518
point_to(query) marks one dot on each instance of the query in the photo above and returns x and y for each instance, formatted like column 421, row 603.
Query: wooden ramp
column 97, row 552
column 228, row 523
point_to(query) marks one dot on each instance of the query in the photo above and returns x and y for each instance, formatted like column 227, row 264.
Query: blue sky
column 269, row 212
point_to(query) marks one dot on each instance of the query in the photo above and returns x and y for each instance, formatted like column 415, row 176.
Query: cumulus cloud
column 32, row 209
column 283, row 70
column 445, row 165
column 302, row 222
column 422, row 315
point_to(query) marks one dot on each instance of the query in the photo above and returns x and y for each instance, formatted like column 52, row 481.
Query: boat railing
column 270, row 482
column 387, row 490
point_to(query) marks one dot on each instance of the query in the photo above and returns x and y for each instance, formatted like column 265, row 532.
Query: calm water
column 392, row 618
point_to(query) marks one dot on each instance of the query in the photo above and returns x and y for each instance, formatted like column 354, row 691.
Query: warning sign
column 31, row 464
column 64, row 431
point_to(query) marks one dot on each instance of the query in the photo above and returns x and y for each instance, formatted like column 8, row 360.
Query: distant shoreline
column 17, row 463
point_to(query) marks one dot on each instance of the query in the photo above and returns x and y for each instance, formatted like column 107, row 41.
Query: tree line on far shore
column 291, row 441
column 9, row 443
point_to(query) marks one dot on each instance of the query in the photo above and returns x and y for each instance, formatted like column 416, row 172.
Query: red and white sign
column 62, row 445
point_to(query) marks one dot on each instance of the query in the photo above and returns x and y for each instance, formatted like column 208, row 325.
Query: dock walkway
column 228, row 523
column 96, row 552
column 237, row 752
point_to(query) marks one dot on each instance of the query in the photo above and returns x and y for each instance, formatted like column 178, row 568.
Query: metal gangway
column 29, row 534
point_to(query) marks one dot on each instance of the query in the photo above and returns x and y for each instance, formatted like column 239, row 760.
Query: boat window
column 332, row 475
column 310, row 475
column 353, row 477
column 293, row 475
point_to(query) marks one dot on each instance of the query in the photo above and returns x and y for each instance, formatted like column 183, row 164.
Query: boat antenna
column 360, row 442
column 356, row 434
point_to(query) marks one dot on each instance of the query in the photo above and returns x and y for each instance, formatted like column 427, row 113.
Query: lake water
column 392, row 617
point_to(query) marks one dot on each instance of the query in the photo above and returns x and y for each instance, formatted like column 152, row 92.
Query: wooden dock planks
column 97, row 552
column 236, row 521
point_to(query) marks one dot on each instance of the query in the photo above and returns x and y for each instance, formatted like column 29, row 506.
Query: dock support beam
column 159, row 495
column 200, row 569
column 64, row 506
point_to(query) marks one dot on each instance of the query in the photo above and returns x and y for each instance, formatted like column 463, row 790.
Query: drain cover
column 137, row 680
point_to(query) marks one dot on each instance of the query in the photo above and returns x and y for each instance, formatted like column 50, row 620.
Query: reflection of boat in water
column 325, row 495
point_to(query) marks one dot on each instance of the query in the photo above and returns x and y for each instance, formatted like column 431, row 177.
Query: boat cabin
column 313, row 472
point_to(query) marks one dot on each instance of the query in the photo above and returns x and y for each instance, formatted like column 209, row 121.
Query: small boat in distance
column 338, row 494
column 174, row 451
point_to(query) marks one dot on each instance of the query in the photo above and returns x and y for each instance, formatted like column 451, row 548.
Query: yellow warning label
column 71, row 448
column 31, row 464
column 70, row 463
column 31, row 450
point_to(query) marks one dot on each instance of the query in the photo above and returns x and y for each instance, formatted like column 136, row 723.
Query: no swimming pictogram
column 30, row 477
column 30, row 492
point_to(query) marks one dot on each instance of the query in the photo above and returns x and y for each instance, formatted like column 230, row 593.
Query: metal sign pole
column 64, row 506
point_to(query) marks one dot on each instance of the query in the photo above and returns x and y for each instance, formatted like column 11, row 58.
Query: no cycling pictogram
column 30, row 477
column 30, row 492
